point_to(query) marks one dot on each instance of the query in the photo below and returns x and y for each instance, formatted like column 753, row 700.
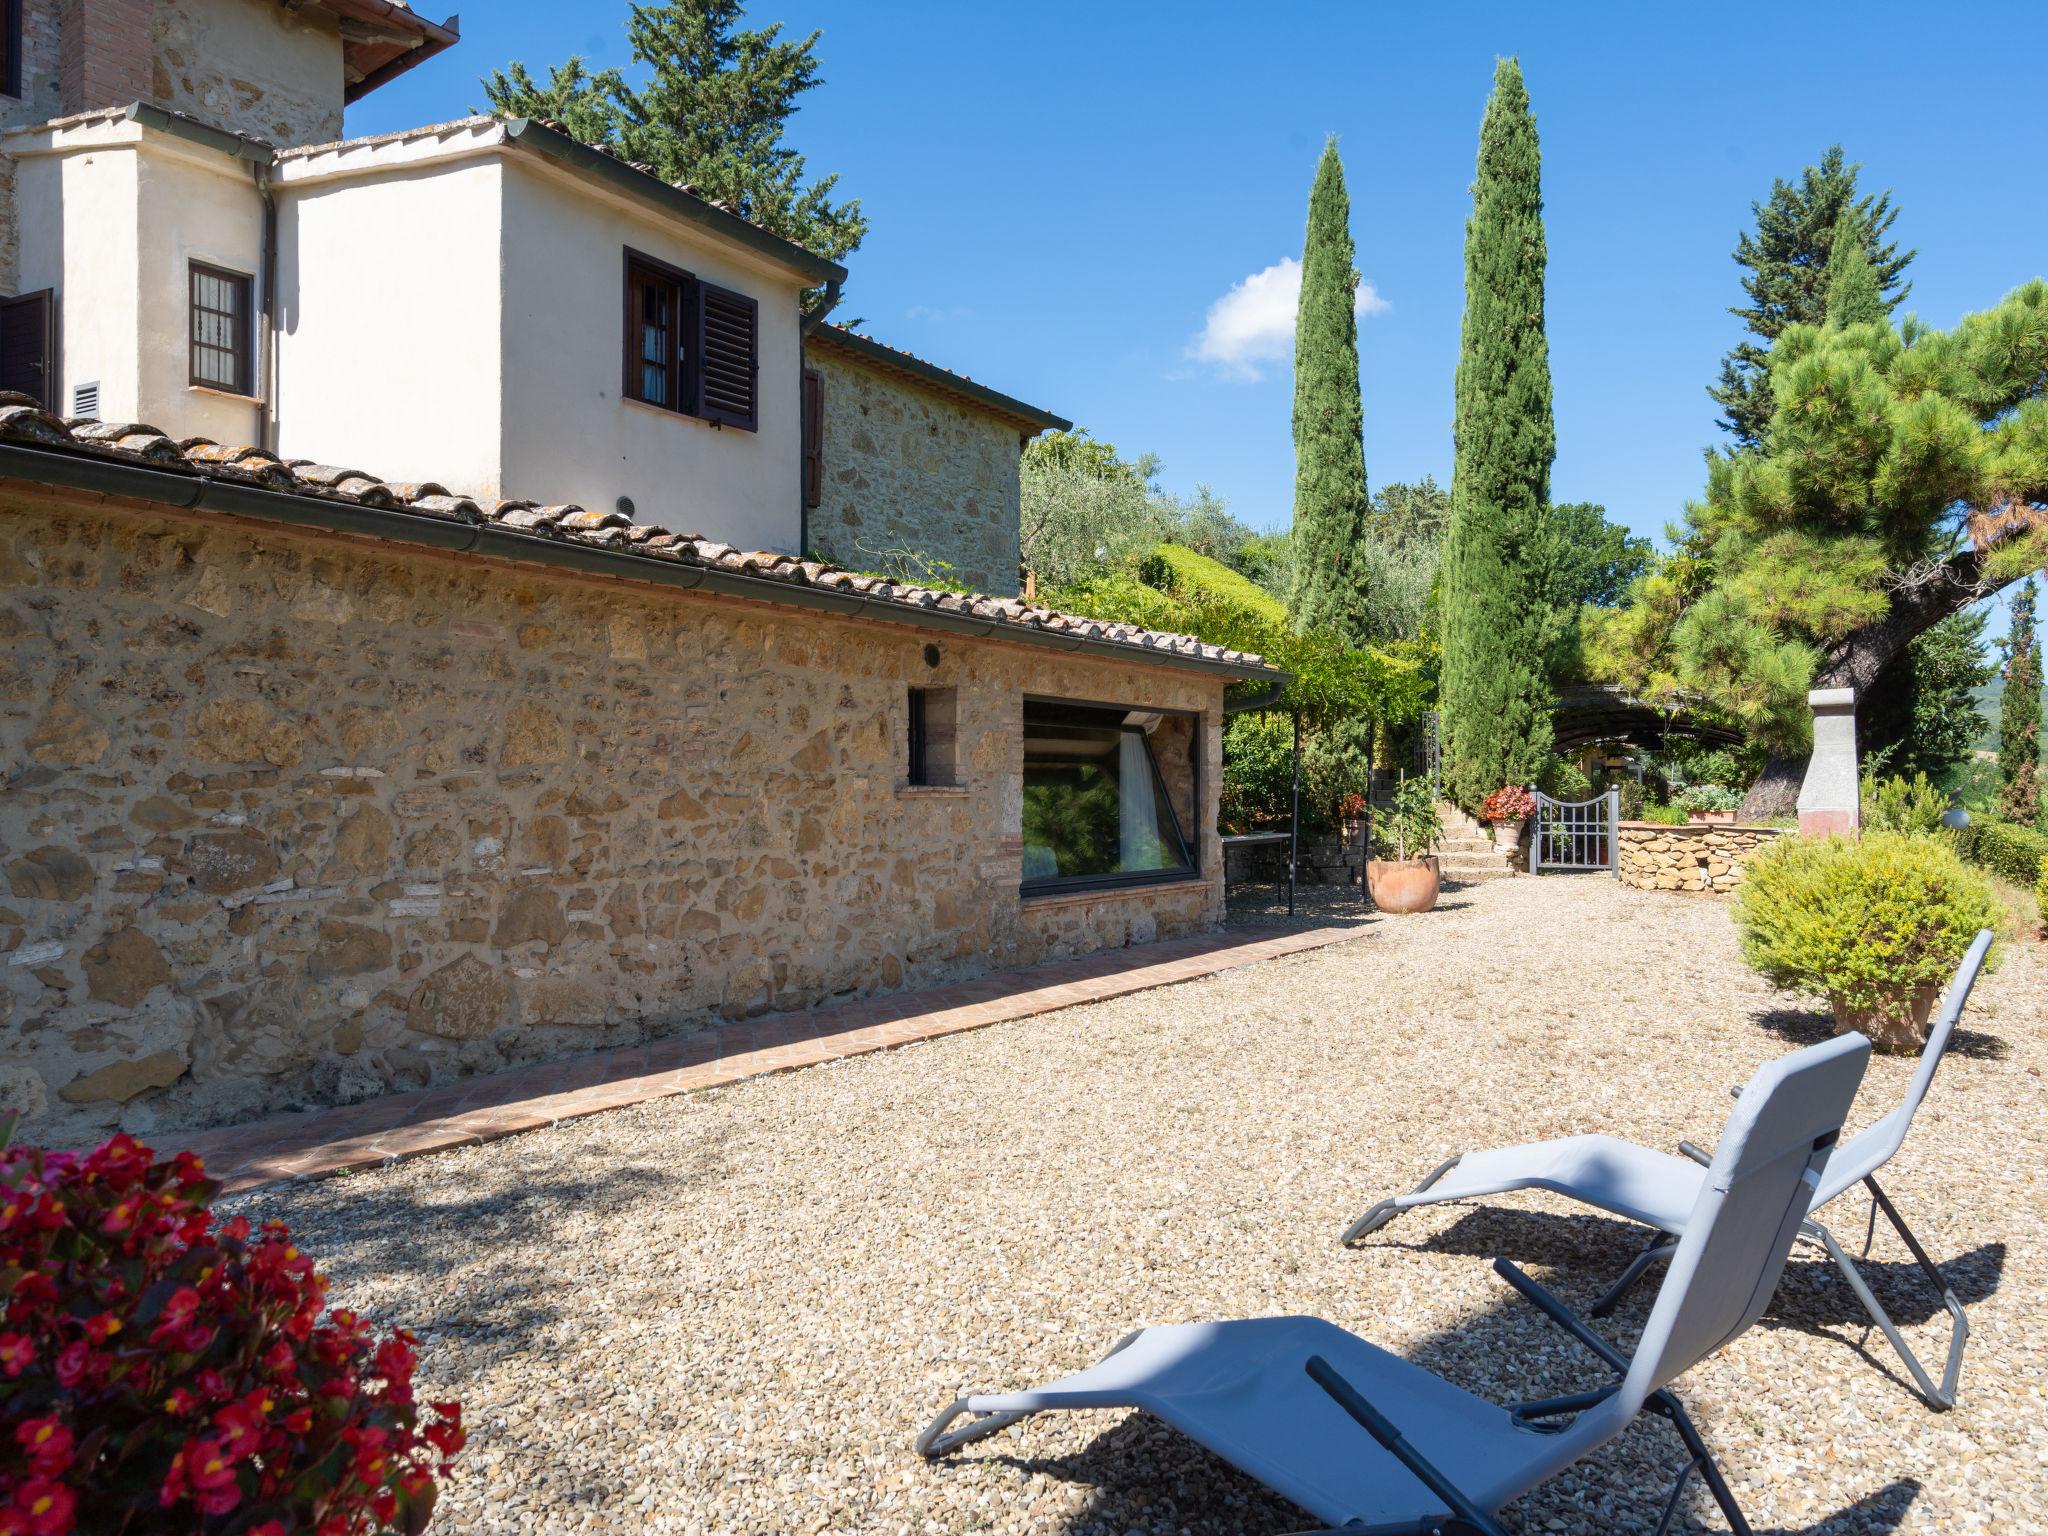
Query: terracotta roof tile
column 23, row 421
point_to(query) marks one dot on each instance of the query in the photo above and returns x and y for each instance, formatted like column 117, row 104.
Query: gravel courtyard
column 732, row 1312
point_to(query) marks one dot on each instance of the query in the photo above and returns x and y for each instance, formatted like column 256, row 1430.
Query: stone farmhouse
column 572, row 719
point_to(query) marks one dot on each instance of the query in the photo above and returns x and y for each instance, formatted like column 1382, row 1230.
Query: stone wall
column 40, row 99
column 291, row 820
column 251, row 66
column 909, row 470
column 1696, row 857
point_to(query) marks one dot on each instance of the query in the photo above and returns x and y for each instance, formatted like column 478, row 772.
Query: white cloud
column 1253, row 324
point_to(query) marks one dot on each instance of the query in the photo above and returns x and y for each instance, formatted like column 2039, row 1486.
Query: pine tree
column 1902, row 480
column 1787, row 259
column 711, row 116
column 1498, row 621
column 2019, row 716
column 1328, row 594
column 1854, row 297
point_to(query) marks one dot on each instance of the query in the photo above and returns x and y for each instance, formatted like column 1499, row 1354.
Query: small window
column 1096, row 811
column 221, row 354
column 656, row 354
column 690, row 347
column 10, row 47
column 931, row 736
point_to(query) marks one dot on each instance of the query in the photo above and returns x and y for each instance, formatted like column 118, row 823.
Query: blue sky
column 1059, row 196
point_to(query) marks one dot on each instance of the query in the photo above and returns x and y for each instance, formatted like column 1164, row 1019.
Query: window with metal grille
column 221, row 352
column 690, row 347
column 657, row 357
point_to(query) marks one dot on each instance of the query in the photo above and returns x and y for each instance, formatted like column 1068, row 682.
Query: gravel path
column 732, row 1312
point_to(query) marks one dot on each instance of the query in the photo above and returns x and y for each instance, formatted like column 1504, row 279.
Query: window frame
column 681, row 361
column 1067, row 885
column 243, row 340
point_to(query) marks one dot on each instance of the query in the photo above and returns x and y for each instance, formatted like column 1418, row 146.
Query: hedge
column 2007, row 849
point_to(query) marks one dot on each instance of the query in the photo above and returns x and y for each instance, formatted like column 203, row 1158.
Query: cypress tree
column 1498, row 624
column 1854, row 295
column 2019, row 716
column 1328, row 595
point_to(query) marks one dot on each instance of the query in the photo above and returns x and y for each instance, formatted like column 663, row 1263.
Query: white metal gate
column 1577, row 835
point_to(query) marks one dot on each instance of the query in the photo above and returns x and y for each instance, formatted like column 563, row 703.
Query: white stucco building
column 187, row 240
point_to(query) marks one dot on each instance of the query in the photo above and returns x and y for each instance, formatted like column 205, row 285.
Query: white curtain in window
column 1137, row 811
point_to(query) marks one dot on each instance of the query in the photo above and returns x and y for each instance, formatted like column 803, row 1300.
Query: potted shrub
column 161, row 1372
column 1411, row 829
column 1507, row 808
column 1875, row 925
column 1709, row 802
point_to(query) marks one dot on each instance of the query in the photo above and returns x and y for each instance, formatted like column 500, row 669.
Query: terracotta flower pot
column 1404, row 885
column 1888, row 1028
column 1507, row 835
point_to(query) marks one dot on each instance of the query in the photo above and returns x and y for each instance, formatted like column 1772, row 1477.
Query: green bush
column 2005, row 849
column 2041, row 893
column 1867, row 923
column 1632, row 797
column 1563, row 779
column 1912, row 805
column 1258, row 771
column 1665, row 815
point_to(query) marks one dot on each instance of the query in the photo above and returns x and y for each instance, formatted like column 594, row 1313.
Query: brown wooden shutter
column 28, row 346
column 814, row 437
column 728, row 361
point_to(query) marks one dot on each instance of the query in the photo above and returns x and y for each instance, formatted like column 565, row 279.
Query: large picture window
column 1096, row 809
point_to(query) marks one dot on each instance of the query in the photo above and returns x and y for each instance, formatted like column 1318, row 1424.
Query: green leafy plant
column 2041, row 893
column 1900, row 804
column 1708, row 799
column 1411, row 827
column 1875, row 925
column 2012, row 852
column 1665, row 815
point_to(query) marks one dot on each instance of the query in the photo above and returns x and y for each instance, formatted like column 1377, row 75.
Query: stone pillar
column 104, row 52
column 1829, row 802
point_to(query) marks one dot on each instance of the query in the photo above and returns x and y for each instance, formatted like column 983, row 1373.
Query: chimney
column 104, row 54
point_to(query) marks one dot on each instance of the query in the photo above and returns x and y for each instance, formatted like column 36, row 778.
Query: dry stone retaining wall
column 290, row 819
column 1696, row 857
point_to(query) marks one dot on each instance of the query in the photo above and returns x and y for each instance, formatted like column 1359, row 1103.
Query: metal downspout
column 266, row 387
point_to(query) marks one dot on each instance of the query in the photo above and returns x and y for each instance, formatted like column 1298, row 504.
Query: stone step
column 1469, row 861
column 1474, row 876
column 1466, row 845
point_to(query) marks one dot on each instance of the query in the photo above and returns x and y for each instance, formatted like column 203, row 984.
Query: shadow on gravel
column 1143, row 1476
column 485, row 1253
column 1589, row 1251
column 1809, row 1026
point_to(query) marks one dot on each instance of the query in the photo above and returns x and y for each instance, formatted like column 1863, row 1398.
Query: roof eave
column 581, row 158
column 1022, row 414
column 191, row 491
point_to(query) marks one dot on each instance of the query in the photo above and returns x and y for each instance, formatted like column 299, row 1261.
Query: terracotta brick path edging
column 479, row 1109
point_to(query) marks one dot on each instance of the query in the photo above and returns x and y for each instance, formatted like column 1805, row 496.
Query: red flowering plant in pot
column 164, row 1372
column 1506, row 809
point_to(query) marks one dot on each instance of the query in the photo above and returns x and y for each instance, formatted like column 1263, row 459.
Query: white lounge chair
column 1365, row 1440
column 1658, row 1190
